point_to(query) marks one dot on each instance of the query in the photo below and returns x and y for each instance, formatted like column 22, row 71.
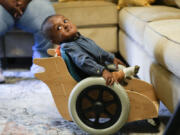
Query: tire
column 98, row 106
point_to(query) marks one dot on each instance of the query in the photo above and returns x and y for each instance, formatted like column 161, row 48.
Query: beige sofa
column 150, row 37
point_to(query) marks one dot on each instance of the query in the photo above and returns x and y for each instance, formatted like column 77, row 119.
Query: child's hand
column 117, row 61
column 108, row 76
column 118, row 75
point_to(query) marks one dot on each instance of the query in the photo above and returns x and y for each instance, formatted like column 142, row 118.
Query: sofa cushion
column 166, row 86
column 105, row 37
column 88, row 13
column 162, row 41
column 177, row 3
column 133, row 20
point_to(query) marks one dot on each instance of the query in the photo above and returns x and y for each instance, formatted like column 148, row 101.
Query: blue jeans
column 31, row 20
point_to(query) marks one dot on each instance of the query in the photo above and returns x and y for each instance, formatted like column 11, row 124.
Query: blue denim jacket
column 87, row 56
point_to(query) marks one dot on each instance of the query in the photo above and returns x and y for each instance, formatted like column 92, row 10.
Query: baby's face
column 62, row 29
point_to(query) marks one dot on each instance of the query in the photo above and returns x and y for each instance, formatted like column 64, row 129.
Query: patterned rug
column 27, row 108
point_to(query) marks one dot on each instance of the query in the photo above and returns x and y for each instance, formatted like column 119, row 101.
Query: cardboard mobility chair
column 95, row 107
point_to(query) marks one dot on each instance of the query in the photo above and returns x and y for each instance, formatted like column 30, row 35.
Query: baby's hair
column 46, row 30
column 43, row 30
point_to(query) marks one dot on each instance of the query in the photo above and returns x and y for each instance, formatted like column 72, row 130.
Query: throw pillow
column 169, row 2
column 123, row 3
column 177, row 2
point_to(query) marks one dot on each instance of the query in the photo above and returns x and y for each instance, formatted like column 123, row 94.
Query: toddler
column 85, row 54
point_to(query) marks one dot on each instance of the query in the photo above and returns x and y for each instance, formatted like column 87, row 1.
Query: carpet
column 27, row 108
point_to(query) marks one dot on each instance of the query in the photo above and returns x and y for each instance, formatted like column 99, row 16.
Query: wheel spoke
column 97, row 118
column 107, row 103
column 100, row 95
column 89, row 109
column 108, row 113
column 89, row 98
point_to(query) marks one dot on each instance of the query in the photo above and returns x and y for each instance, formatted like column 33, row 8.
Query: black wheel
column 95, row 109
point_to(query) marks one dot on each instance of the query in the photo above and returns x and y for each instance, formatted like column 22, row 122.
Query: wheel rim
column 98, row 106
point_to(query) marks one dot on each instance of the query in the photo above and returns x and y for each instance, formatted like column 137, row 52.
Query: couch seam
column 135, row 16
column 162, row 35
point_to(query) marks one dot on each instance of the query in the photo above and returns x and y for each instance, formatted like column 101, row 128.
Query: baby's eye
column 59, row 28
column 65, row 21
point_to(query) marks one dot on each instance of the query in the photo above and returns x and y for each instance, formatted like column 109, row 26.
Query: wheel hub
column 98, row 106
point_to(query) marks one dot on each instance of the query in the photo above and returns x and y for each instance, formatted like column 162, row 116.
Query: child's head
column 58, row 29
